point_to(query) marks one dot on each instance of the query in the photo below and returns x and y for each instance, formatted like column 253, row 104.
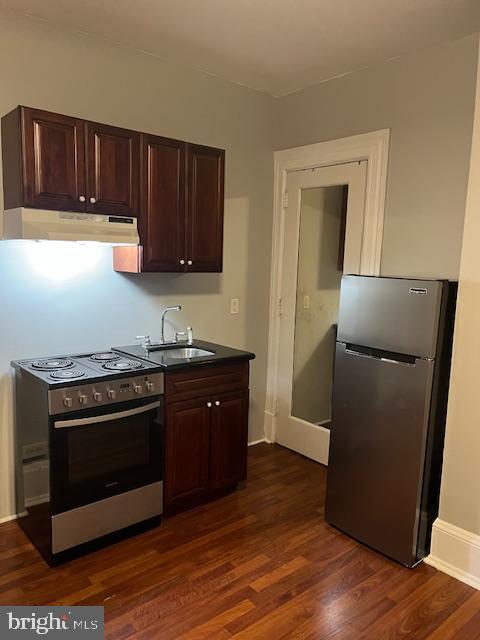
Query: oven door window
column 108, row 451
column 97, row 456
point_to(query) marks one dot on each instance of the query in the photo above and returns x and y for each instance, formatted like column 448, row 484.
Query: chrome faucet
column 175, row 308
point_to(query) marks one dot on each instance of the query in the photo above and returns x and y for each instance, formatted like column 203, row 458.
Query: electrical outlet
column 234, row 305
column 306, row 302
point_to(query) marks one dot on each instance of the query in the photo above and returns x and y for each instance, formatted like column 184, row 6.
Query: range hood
column 40, row 224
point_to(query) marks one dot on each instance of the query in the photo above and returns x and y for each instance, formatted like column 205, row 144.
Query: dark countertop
column 160, row 357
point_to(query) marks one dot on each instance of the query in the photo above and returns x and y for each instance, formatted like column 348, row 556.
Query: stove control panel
column 84, row 396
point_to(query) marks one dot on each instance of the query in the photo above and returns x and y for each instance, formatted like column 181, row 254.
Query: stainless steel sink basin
column 186, row 353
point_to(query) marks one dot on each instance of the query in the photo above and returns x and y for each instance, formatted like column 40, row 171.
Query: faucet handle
column 178, row 334
column 146, row 340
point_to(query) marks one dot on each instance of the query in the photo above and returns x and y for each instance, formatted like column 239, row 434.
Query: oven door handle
column 81, row 422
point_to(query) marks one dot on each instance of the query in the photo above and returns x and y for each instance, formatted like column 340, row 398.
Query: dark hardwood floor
column 260, row 563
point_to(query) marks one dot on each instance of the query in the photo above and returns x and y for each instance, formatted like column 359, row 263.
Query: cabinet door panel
column 113, row 170
column 54, row 160
column 162, row 218
column 228, row 440
column 204, row 239
column 186, row 453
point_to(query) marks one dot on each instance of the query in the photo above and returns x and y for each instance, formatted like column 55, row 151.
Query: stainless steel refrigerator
column 391, row 374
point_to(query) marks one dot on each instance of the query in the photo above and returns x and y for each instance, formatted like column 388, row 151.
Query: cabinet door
column 186, row 453
column 113, row 170
column 205, row 201
column 228, row 440
column 162, row 199
column 53, row 161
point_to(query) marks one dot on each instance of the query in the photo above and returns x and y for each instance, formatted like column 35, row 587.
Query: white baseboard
column 31, row 502
column 8, row 518
column 40, row 499
column 455, row 551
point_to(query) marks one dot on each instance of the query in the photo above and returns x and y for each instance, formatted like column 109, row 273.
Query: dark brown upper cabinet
column 182, row 201
column 43, row 160
column 176, row 189
column 113, row 170
column 205, row 199
column 161, row 223
column 52, row 161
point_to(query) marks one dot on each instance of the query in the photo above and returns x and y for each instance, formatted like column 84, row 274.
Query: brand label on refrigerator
column 419, row 291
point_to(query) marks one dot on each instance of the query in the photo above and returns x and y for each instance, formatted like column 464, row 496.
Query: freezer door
column 377, row 450
column 391, row 313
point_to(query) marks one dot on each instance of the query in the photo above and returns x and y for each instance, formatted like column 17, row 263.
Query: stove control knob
column 112, row 394
column 137, row 388
column 97, row 396
column 67, row 402
column 149, row 386
column 82, row 398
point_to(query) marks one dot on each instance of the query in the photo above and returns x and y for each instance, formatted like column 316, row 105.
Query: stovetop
column 86, row 367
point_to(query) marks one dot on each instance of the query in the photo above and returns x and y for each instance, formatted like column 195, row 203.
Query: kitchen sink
column 186, row 353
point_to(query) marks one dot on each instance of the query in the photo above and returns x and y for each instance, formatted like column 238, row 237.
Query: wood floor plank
column 455, row 625
column 277, row 574
column 259, row 563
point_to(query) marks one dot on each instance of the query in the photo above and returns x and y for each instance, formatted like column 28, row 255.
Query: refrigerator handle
column 377, row 354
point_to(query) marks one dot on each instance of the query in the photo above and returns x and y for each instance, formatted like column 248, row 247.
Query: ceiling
column 276, row 46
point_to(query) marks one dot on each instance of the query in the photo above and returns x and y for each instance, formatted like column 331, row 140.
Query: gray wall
column 82, row 76
column 427, row 101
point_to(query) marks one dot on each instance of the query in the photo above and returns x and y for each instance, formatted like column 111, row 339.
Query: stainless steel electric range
column 89, row 450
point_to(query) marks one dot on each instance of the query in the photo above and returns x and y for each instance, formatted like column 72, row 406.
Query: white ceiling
column 276, row 46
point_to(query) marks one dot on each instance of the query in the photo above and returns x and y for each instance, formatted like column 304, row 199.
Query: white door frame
column 373, row 147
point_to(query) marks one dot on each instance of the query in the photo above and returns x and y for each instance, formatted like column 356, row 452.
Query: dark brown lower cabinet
column 206, row 436
column 186, row 453
column 228, row 440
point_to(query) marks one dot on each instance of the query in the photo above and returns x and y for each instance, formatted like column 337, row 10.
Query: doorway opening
column 329, row 202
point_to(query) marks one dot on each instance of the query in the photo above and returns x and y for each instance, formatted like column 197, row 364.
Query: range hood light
column 60, row 261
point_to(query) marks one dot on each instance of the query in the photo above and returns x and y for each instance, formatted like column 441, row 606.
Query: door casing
column 372, row 147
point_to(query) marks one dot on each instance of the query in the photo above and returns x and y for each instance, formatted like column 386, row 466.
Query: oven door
column 98, row 453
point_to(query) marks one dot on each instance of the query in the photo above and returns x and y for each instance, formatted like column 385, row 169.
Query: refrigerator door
column 377, row 450
column 392, row 314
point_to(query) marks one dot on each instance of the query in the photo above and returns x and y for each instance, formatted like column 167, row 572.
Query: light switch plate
column 234, row 306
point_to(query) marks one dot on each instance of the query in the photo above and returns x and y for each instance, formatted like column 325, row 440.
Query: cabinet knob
column 182, row 261
column 209, row 404
column 217, row 403
column 92, row 200
column 82, row 198
column 189, row 262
